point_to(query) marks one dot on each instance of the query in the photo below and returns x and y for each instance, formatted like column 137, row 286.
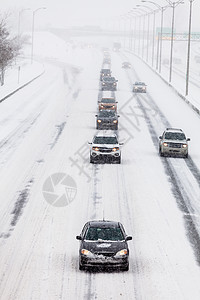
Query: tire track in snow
column 178, row 189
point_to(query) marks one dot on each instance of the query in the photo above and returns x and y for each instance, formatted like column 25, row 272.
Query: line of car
column 103, row 243
column 105, row 146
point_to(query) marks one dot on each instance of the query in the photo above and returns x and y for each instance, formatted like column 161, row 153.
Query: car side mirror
column 89, row 143
column 78, row 237
column 116, row 101
column 160, row 137
column 188, row 139
column 96, row 115
column 128, row 238
column 121, row 144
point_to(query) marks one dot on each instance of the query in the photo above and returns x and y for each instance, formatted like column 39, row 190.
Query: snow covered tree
column 9, row 48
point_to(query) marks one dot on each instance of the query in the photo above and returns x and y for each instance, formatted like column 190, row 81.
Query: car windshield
column 108, row 100
column 105, row 140
column 107, row 114
column 175, row 136
column 105, row 234
column 139, row 83
column 109, row 79
column 105, row 71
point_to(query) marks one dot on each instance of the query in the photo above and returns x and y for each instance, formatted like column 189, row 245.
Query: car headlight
column 95, row 148
column 113, row 106
column 165, row 144
column 99, row 121
column 115, row 149
column 122, row 252
column 87, row 252
column 115, row 121
column 114, row 83
column 103, row 83
column 184, row 145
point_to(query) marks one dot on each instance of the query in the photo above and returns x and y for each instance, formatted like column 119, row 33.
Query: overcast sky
column 94, row 12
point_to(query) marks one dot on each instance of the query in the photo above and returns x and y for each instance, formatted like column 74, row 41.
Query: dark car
column 109, row 84
column 107, row 119
column 103, row 244
column 104, row 72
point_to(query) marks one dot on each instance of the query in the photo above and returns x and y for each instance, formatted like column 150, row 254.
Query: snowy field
column 44, row 129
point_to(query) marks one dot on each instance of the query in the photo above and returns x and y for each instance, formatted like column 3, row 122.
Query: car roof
column 103, row 70
column 103, row 223
column 173, row 129
column 106, row 133
column 139, row 82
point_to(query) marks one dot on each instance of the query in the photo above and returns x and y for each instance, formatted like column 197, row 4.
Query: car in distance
column 173, row 142
column 109, row 83
column 107, row 103
column 105, row 147
column 126, row 65
column 104, row 72
column 139, row 87
column 103, row 244
column 107, row 119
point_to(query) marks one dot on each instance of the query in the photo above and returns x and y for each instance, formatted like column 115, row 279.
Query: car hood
column 107, row 104
column 110, row 146
column 107, row 118
column 104, row 246
column 175, row 141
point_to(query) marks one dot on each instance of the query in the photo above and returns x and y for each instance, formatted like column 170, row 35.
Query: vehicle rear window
column 175, row 136
column 105, row 140
column 105, row 234
column 107, row 100
column 107, row 114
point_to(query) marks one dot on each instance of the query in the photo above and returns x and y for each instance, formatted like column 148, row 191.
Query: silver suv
column 105, row 147
column 173, row 142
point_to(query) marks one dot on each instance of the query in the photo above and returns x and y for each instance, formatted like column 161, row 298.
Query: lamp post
column 162, row 9
column 188, row 54
column 148, row 26
column 139, row 30
column 19, row 19
column 144, row 15
column 33, row 25
column 173, row 5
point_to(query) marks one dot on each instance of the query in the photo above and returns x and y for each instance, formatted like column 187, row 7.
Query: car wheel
column 186, row 155
column 91, row 160
column 160, row 152
column 81, row 268
column 126, row 268
column 118, row 160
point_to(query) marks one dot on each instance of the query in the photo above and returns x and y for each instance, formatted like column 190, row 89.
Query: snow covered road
column 44, row 130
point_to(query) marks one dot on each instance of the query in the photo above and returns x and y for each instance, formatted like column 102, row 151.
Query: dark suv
column 109, row 83
column 107, row 119
column 104, row 72
column 103, row 244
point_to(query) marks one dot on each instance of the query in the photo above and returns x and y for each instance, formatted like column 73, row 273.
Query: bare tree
column 9, row 48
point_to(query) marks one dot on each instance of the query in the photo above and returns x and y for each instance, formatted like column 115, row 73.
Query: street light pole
column 33, row 25
column 188, row 54
column 173, row 5
column 19, row 19
column 172, row 42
